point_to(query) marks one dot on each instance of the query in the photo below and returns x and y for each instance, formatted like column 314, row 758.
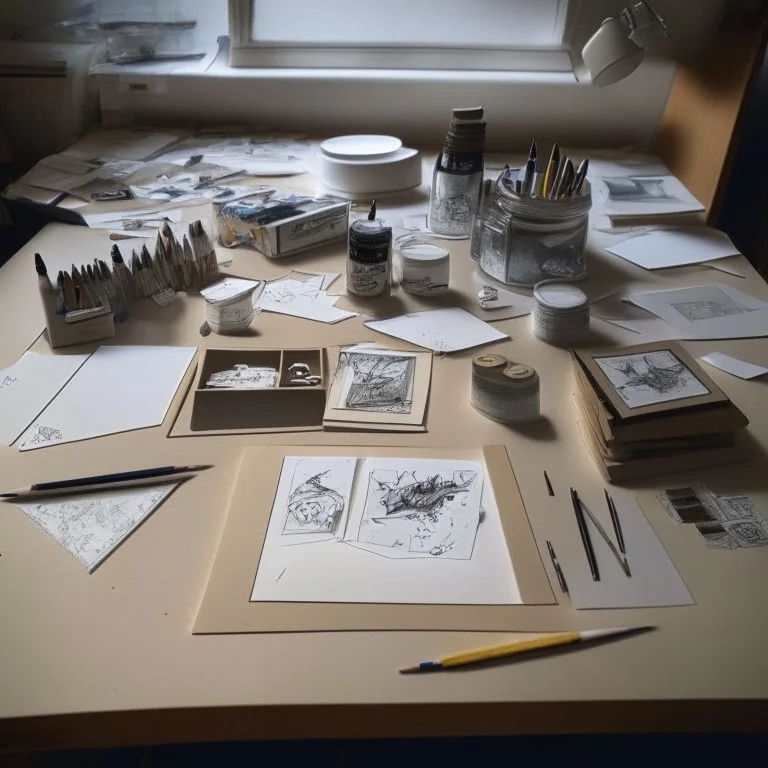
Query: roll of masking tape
column 504, row 391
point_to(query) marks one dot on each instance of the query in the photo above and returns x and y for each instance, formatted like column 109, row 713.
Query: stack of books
column 651, row 409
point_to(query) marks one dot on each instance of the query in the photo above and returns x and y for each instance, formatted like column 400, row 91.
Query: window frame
column 243, row 53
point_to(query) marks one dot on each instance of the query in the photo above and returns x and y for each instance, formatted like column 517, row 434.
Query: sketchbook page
column 116, row 390
column 306, row 299
column 655, row 580
column 734, row 366
column 28, row 386
column 340, row 572
column 442, row 330
column 312, row 500
column 713, row 311
column 640, row 194
column 92, row 525
column 675, row 247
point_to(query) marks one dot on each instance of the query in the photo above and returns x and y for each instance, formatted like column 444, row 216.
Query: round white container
column 504, row 391
column 425, row 268
column 561, row 313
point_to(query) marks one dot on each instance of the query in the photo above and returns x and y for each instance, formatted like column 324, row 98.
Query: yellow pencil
column 521, row 646
column 551, row 170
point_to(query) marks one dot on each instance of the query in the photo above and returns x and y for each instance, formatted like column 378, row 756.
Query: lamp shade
column 609, row 55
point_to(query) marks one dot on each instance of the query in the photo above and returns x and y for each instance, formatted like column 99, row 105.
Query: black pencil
column 558, row 570
column 584, row 533
column 616, row 523
column 550, row 489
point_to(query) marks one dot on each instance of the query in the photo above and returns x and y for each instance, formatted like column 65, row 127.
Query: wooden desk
column 109, row 659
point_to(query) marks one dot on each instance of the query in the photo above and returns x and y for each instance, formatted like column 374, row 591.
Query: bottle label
column 368, row 267
column 462, row 164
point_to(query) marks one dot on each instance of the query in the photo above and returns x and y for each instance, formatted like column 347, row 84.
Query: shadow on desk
column 702, row 751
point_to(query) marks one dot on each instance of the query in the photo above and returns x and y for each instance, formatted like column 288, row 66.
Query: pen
column 584, row 533
column 581, row 174
column 551, row 170
column 606, row 538
column 519, row 647
column 557, row 179
column 42, row 273
column 550, row 489
column 114, row 480
column 616, row 523
column 530, row 170
column 558, row 570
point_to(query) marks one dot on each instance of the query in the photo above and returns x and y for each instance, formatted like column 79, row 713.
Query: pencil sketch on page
column 374, row 381
column 43, row 435
column 410, row 512
column 92, row 525
column 719, row 304
column 319, row 492
column 8, row 381
column 650, row 378
column 638, row 189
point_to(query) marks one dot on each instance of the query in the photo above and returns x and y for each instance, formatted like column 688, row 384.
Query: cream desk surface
column 109, row 658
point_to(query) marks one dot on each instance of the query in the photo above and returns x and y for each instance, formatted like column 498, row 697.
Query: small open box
column 283, row 407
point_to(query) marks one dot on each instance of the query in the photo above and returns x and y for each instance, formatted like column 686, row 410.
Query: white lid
column 360, row 146
column 560, row 295
column 424, row 254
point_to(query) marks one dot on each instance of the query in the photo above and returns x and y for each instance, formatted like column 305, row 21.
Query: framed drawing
column 649, row 379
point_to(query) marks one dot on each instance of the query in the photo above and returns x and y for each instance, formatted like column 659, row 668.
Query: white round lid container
column 424, row 255
column 360, row 146
column 560, row 296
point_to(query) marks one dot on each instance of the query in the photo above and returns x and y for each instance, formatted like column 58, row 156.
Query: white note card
column 675, row 247
column 118, row 389
column 734, row 366
column 442, row 330
column 28, row 386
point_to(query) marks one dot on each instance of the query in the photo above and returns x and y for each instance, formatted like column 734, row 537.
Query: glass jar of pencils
column 522, row 238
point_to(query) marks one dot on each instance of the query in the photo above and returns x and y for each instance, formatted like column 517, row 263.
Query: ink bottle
column 369, row 257
column 458, row 175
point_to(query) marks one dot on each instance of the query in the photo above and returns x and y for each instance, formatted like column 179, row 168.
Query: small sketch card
column 714, row 311
column 378, row 388
column 649, row 379
column 91, row 525
column 636, row 195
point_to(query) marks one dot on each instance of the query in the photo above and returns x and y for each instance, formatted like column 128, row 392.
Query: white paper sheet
column 654, row 582
column 116, row 390
column 228, row 288
column 734, row 366
column 135, row 222
column 675, row 247
column 442, row 330
column 126, row 144
column 28, row 386
column 306, row 299
column 713, row 311
column 339, row 571
column 92, row 525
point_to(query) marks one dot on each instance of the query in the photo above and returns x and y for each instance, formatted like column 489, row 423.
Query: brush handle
column 510, row 649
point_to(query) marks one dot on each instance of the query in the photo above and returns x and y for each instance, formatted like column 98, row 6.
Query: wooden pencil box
column 283, row 406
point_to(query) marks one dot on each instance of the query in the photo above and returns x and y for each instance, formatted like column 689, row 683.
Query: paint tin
column 369, row 259
column 426, row 269
column 561, row 313
column 504, row 391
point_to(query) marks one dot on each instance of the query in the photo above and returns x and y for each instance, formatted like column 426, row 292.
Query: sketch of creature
column 45, row 435
column 423, row 498
column 313, row 506
column 379, row 381
column 658, row 378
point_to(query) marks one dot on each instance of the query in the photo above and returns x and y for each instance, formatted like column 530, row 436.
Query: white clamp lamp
column 618, row 46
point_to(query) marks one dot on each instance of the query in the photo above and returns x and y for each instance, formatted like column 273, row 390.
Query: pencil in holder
column 522, row 239
column 78, row 327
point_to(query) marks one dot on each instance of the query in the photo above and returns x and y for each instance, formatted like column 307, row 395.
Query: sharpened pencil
column 584, row 533
column 519, row 647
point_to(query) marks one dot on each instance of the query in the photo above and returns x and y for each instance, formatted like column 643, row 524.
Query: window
column 400, row 34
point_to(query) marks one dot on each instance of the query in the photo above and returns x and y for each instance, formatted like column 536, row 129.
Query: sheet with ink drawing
column 91, row 525
column 346, row 566
column 307, row 299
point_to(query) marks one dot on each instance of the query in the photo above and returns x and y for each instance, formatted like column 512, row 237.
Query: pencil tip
column 8, row 495
column 410, row 671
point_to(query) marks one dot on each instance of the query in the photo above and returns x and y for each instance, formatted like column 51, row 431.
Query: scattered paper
column 442, row 330
column 409, row 532
column 28, row 386
column 116, row 390
column 734, row 366
column 655, row 580
column 228, row 288
column 713, row 311
column 126, row 144
column 135, row 223
column 725, row 522
column 307, row 299
column 92, row 525
column 675, row 247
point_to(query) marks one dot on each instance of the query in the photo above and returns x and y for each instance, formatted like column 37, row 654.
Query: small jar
column 524, row 239
column 425, row 269
column 561, row 313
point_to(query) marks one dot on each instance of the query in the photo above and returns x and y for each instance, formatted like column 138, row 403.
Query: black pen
column 558, row 570
column 616, row 523
column 550, row 489
column 584, row 533
column 581, row 174
column 529, row 180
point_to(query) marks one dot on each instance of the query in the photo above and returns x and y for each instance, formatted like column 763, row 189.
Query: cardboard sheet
column 226, row 606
